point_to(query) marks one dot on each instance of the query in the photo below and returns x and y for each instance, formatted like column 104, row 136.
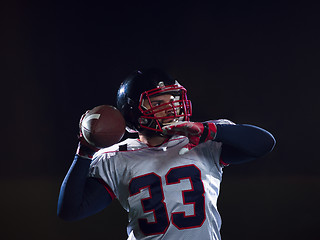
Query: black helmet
column 139, row 87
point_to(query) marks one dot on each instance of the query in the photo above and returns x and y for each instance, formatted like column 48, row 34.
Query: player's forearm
column 243, row 141
column 81, row 196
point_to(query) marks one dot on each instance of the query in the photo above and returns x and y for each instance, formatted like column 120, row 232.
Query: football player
column 167, row 179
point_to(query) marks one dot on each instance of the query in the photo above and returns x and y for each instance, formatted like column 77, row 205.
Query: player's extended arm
column 81, row 196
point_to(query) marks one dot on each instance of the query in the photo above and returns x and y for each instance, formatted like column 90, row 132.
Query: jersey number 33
column 155, row 202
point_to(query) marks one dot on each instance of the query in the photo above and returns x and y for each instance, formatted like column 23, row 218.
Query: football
column 103, row 126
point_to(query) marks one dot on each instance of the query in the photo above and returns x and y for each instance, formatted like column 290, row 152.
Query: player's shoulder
column 125, row 145
column 222, row 122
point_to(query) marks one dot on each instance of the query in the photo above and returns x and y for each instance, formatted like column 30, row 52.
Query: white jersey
column 166, row 195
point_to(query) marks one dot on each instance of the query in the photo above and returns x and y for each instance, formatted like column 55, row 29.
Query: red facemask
column 179, row 108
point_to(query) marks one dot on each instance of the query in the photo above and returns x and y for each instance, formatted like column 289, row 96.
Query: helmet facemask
column 177, row 109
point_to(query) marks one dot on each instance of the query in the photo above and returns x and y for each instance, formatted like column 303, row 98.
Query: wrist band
column 204, row 133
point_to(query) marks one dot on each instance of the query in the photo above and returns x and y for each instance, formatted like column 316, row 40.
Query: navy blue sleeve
column 81, row 196
column 243, row 142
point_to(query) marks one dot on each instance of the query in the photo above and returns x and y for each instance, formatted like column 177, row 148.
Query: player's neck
column 153, row 141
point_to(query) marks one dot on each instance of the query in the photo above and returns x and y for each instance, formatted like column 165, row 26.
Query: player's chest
column 162, row 176
column 160, row 165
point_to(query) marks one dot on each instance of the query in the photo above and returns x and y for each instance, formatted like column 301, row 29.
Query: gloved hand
column 197, row 132
column 85, row 149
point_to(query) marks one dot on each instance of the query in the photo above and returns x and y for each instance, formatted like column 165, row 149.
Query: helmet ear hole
column 143, row 121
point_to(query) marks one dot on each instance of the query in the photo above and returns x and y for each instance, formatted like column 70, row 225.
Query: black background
column 251, row 62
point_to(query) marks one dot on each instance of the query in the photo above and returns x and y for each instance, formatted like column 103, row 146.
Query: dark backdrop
column 248, row 61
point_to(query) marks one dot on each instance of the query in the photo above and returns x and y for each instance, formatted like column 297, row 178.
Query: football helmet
column 142, row 85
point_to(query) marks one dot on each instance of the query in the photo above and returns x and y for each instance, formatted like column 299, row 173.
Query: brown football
column 103, row 126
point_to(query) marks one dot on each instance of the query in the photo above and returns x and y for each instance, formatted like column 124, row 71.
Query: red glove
column 196, row 132
column 85, row 149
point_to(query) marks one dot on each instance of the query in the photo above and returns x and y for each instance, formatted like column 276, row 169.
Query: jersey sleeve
column 217, row 146
column 103, row 168
column 222, row 122
column 216, row 149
